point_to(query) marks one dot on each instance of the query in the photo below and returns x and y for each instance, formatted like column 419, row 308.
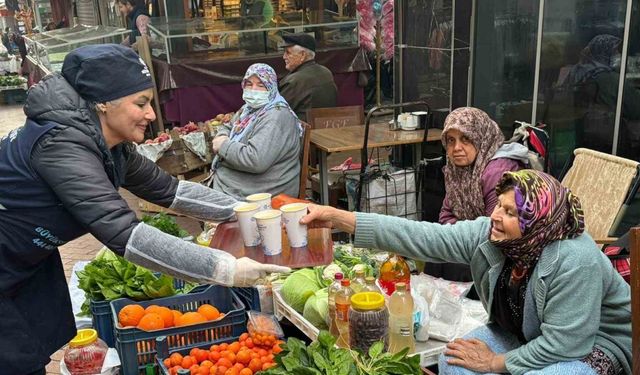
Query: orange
column 208, row 311
column 203, row 370
column 150, row 322
column 202, row 355
column 206, row 363
column 190, row 318
column 187, row 362
column 194, row 369
column 213, row 370
column 176, row 315
column 221, row 370
column 244, row 336
column 214, row 356
column 164, row 312
column 150, row 308
column 268, row 365
column 130, row 315
column 255, row 365
column 167, row 363
column 244, row 357
column 246, row 371
column 224, row 362
column 234, row 347
column 176, row 359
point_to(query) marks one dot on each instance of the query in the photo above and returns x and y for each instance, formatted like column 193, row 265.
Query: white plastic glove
column 248, row 271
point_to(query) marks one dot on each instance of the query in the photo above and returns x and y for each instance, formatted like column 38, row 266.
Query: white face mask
column 255, row 98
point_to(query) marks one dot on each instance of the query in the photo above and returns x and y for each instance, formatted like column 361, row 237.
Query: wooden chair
column 336, row 117
column 634, row 249
column 304, row 159
column 605, row 185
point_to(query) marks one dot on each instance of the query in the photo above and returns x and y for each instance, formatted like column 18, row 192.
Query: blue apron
column 36, row 318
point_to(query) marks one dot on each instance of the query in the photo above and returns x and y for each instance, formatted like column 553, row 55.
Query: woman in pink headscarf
column 476, row 159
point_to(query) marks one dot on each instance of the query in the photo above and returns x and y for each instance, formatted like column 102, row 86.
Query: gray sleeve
column 225, row 129
column 200, row 202
column 269, row 139
column 148, row 181
column 161, row 252
column 452, row 243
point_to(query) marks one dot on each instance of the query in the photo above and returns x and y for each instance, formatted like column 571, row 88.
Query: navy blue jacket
column 58, row 181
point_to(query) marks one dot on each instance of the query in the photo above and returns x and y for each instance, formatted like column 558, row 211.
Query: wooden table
column 319, row 251
column 351, row 138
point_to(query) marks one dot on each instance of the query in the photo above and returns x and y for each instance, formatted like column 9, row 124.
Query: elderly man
column 308, row 84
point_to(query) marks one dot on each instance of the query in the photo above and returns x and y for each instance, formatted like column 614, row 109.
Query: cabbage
column 298, row 287
column 317, row 308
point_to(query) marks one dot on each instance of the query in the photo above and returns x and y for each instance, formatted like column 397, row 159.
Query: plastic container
column 343, row 304
column 264, row 324
column 394, row 270
column 102, row 320
column 164, row 352
column 137, row 347
column 401, row 320
column 368, row 320
column 85, row 353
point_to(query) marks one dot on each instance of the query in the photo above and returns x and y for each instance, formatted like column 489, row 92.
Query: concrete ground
column 85, row 247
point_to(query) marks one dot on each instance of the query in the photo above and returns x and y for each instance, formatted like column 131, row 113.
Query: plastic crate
column 249, row 296
column 102, row 319
column 162, row 345
column 137, row 347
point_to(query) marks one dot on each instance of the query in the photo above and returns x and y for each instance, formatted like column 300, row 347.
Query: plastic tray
column 163, row 351
column 249, row 296
column 137, row 347
column 428, row 351
column 102, row 320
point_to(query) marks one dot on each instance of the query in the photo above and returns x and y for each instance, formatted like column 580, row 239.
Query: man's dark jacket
column 58, row 181
column 309, row 86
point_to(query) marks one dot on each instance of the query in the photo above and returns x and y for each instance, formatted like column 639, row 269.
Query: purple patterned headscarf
column 547, row 212
column 249, row 115
column 463, row 184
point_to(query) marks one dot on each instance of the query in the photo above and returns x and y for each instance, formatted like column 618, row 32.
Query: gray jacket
column 575, row 299
column 265, row 160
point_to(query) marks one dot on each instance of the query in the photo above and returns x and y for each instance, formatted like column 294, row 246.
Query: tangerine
column 151, row 322
column 190, row 318
column 209, row 311
column 164, row 312
column 130, row 315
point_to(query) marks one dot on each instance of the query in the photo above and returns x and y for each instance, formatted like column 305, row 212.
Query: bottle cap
column 360, row 273
column 84, row 337
column 370, row 280
column 338, row 276
column 345, row 282
column 367, row 301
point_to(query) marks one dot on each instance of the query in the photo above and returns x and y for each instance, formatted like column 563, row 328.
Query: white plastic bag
column 446, row 315
column 154, row 151
column 78, row 296
column 196, row 143
column 420, row 317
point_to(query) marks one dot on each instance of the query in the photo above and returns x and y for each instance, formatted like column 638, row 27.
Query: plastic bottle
column 370, row 285
column 358, row 283
column 401, row 320
column 85, row 353
column 394, row 270
column 331, row 316
column 343, row 303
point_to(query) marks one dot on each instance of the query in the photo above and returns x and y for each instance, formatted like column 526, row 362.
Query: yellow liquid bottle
column 343, row 303
column 401, row 320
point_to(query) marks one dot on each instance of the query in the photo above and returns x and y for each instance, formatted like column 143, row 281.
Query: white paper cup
column 262, row 199
column 296, row 232
column 248, row 226
column 411, row 122
column 269, row 226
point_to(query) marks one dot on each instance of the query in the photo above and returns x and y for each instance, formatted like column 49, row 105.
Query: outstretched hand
column 329, row 217
column 474, row 355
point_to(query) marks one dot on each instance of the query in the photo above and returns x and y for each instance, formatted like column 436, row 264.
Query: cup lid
column 367, row 300
column 267, row 214
column 258, row 197
column 293, row 207
column 246, row 207
column 84, row 337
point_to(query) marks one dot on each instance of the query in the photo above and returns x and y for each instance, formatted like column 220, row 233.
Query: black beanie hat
column 104, row 72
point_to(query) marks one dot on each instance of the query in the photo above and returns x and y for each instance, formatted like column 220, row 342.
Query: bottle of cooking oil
column 343, row 303
column 358, row 284
column 331, row 316
column 394, row 270
column 370, row 285
column 401, row 320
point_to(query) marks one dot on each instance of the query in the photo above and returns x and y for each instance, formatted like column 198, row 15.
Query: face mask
column 255, row 98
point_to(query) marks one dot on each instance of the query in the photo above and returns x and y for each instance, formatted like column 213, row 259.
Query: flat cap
column 300, row 39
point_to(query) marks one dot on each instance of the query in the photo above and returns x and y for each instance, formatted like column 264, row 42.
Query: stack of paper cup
column 296, row 232
column 248, row 225
column 262, row 199
column 269, row 227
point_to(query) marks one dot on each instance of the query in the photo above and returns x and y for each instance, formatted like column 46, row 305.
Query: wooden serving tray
column 318, row 252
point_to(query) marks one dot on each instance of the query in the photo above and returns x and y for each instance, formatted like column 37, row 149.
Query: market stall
column 46, row 51
column 199, row 62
